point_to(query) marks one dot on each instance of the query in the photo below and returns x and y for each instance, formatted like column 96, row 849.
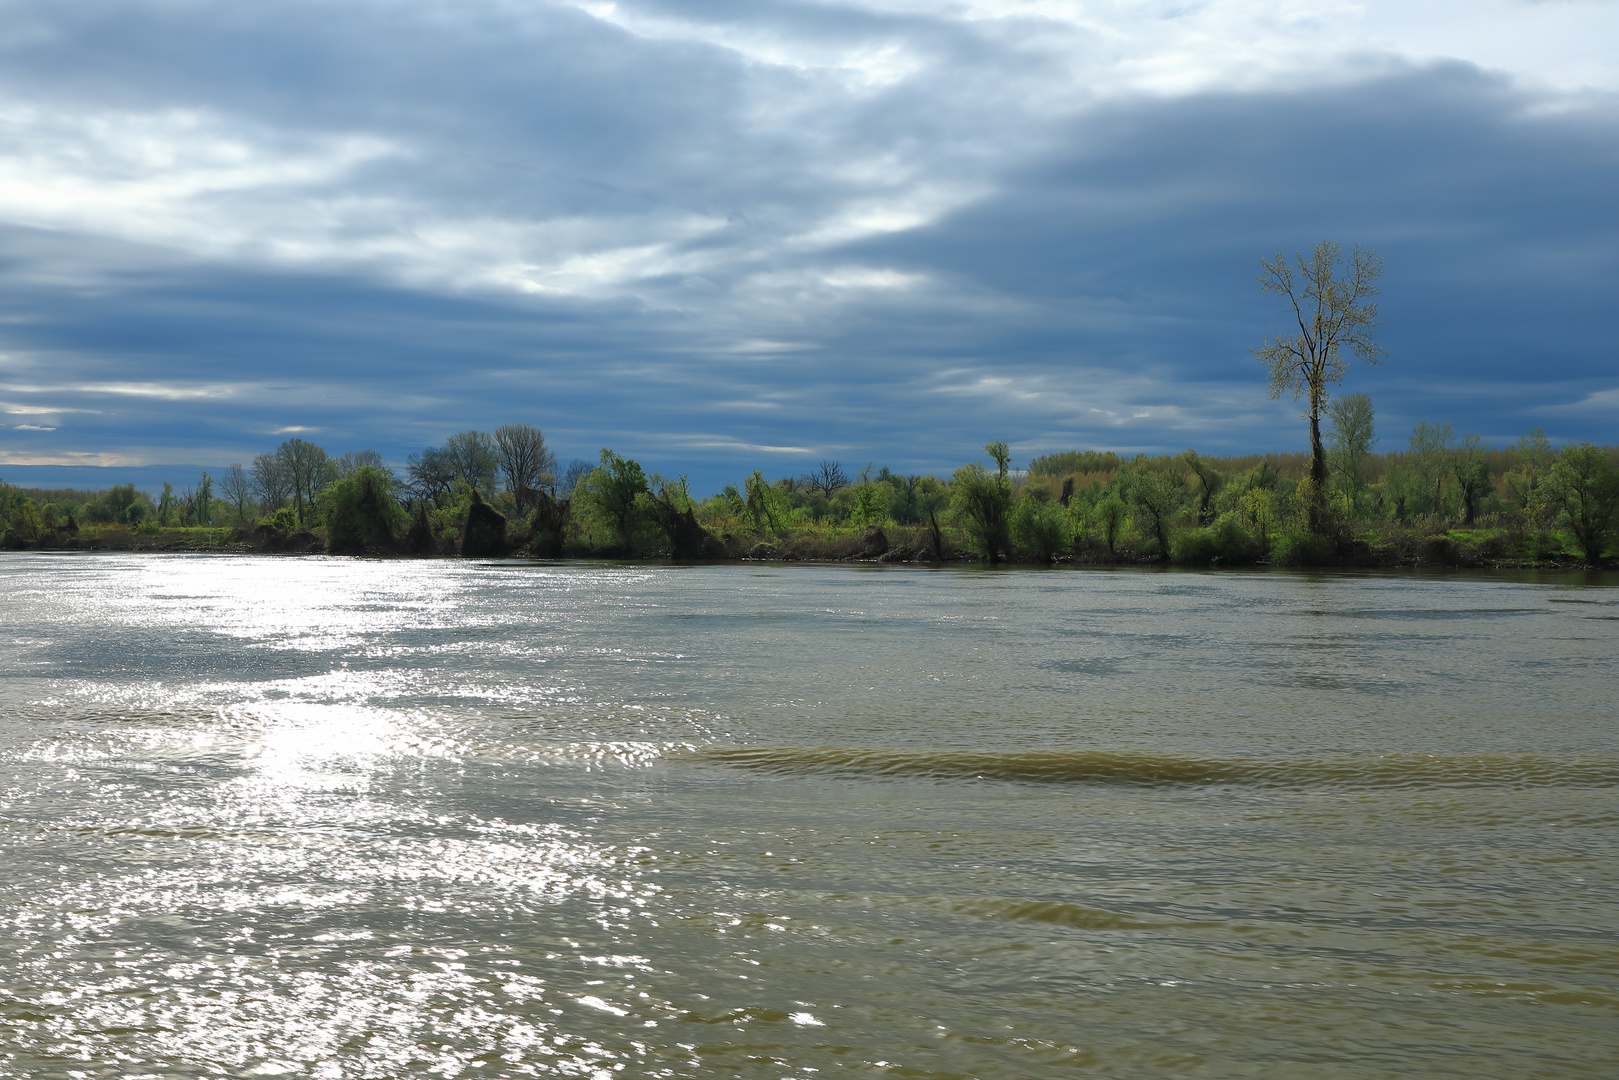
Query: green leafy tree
column 1110, row 513
column 612, row 490
column 363, row 511
column 1532, row 458
column 871, row 500
column 121, row 505
column 1585, row 489
column 1351, row 419
column 23, row 525
column 980, row 499
column 1156, row 499
column 1040, row 528
column 1209, row 481
column 670, row 505
column 167, row 505
column 763, row 503
column 1432, row 446
column 1335, row 315
column 1471, row 467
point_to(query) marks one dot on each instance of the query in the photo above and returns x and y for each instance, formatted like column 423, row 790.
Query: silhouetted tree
column 1335, row 314
column 827, row 477
column 525, row 462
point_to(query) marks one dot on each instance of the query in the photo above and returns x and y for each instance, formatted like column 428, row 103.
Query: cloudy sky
column 717, row 235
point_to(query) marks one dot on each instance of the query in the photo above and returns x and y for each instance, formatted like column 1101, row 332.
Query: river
column 373, row 818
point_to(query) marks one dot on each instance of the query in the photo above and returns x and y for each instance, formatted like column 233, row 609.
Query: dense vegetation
column 1442, row 500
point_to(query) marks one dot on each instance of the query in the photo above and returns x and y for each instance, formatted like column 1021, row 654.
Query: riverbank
column 1488, row 548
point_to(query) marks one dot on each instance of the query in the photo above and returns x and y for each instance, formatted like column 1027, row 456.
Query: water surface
column 344, row 818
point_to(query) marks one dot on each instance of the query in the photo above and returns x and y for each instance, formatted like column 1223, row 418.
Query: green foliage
column 1431, row 448
column 1471, row 468
column 363, row 512
column 1040, row 528
column 23, row 525
column 305, row 469
column 1109, row 515
column 1584, row 489
column 1532, row 459
column 1351, row 419
column 1156, row 498
column 1071, row 462
column 1209, row 482
column 1227, row 541
column 472, row 456
column 284, row 519
column 611, row 490
column 763, row 504
column 121, row 505
column 1300, row 547
column 979, row 501
column 203, row 507
column 871, row 501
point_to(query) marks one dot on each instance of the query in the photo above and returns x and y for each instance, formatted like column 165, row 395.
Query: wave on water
column 1163, row 770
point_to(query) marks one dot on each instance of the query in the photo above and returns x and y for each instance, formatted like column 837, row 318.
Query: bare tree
column 360, row 459
column 576, row 471
column 270, row 481
column 472, row 457
column 309, row 468
column 1335, row 313
column 826, row 478
column 237, row 488
column 527, row 464
column 430, row 475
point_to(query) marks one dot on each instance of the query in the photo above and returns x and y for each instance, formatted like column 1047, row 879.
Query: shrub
column 1040, row 529
column 1225, row 541
column 23, row 525
column 1299, row 547
column 283, row 520
column 362, row 513
column 484, row 533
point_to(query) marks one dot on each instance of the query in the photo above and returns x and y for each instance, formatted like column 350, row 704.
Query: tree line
column 489, row 493
column 503, row 491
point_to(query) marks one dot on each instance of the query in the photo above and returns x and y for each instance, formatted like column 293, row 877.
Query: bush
column 362, row 513
column 1299, row 547
column 1225, row 541
column 283, row 520
column 23, row 526
column 484, row 533
column 1040, row 529
column 978, row 501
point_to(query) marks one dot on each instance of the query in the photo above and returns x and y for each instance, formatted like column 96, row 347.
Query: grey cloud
column 732, row 262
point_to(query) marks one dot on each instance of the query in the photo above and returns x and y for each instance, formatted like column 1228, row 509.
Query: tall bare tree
column 1333, row 308
column 826, row 478
column 237, row 488
column 472, row 457
column 270, row 481
column 527, row 465
column 309, row 468
column 430, row 474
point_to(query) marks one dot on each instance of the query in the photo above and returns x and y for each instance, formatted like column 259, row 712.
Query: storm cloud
column 722, row 236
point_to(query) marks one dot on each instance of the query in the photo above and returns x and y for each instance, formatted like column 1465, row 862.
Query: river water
column 342, row 818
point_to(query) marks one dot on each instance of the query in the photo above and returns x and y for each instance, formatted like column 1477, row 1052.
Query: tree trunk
column 1318, row 469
